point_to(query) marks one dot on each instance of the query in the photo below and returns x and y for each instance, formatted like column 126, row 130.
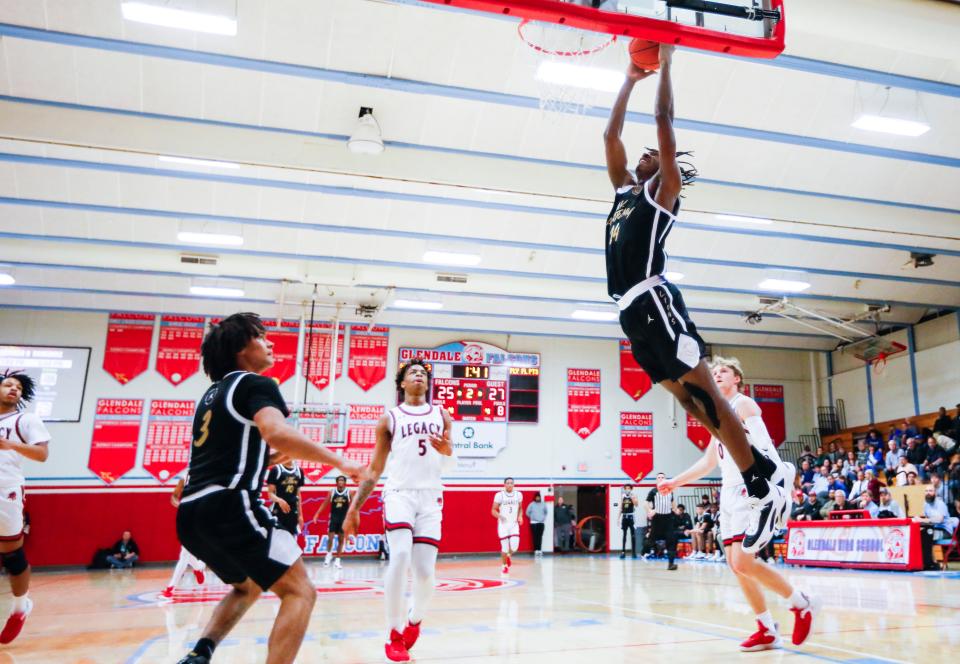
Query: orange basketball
column 645, row 54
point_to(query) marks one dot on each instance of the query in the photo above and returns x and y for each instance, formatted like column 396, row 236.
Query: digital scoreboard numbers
column 483, row 388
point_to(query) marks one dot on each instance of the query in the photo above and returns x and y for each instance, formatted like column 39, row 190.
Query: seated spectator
column 956, row 425
column 953, row 482
column 935, row 524
column 850, row 465
column 895, row 434
column 839, row 502
column 837, row 482
column 682, row 521
column 913, row 480
column 807, row 456
column 866, row 503
column 698, row 533
column 863, row 454
column 821, row 481
column 809, row 509
column 873, row 485
column 836, row 454
column 124, row 553
column 904, row 470
column 909, row 428
column 940, row 490
column 822, row 457
column 936, row 461
column 875, row 462
column 916, row 453
column 873, row 439
column 943, row 425
column 892, row 460
column 888, row 508
column 859, row 486
column 806, row 474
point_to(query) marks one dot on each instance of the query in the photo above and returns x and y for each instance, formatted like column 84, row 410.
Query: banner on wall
column 583, row 401
column 361, row 436
column 367, row 364
column 636, row 444
column 178, row 348
column 698, row 434
column 863, row 543
column 633, row 379
column 169, row 434
column 285, row 335
column 770, row 400
column 116, row 433
column 318, row 347
column 126, row 354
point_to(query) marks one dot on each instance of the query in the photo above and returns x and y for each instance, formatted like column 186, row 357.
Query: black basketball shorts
column 236, row 536
column 289, row 521
column 336, row 525
column 664, row 340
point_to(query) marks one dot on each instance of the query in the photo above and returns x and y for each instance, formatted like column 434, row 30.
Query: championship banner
column 583, row 401
column 636, row 444
column 361, row 437
column 633, row 379
column 367, row 365
column 178, row 349
column 317, row 348
column 770, row 400
column 127, row 351
column 285, row 335
column 116, row 433
column 860, row 543
column 698, row 434
column 169, row 434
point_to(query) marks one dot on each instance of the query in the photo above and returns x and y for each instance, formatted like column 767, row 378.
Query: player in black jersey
column 221, row 519
column 627, row 506
column 653, row 316
column 339, row 501
column 284, row 482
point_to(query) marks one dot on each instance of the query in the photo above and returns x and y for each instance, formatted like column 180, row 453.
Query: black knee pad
column 15, row 562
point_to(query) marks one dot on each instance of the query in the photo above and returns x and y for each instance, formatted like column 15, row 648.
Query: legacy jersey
column 24, row 428
column 730, row 475
column 413, row 463
column 637, row 230
column 227, row 449
column 339, row 503
column 510, row 504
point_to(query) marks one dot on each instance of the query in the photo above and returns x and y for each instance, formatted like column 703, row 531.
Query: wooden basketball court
column 562, row 609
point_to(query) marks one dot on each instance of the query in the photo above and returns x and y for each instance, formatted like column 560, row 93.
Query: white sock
column 766, row 620
column 798, row 600
column 19, row 604
column 424, row 579
column 395, row 578
column 179, row 570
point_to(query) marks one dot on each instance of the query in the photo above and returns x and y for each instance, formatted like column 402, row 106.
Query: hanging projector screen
column 60, row 375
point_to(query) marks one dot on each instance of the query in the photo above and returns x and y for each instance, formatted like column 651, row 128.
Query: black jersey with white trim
column 637, row 230
column 227, row 449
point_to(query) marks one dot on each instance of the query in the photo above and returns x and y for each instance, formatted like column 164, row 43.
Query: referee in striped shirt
column 661, row 526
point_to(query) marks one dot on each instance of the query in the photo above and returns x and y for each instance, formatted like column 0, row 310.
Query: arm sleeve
column 256, row 392
column 32, row 429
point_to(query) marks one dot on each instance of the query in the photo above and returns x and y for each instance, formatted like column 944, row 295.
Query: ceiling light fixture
column 181, row 19
column 450, row 258
column 743, row 220
column 425, row 305
column 210, row 238
column 197, row 162
column 673, row 276
column 7, row 279
column 366, row 138
column 217, row 291
column 595, row 315
column 783, row 285
column 885, row 125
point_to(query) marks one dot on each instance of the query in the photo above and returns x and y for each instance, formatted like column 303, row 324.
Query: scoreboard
column 483, row 388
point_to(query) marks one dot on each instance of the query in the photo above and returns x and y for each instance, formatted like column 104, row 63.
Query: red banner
column 770, row 400
column 285, row 335
column 178, row 349
column 633, row 379
column 169, row 434
column 317, row 349
column 583, row 401
column 116, row 432
column 127, row 351
column 368, row 355
column 636, row 444
column 361, row 436
column 698, row 434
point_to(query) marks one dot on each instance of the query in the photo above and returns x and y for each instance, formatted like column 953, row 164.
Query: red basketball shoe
column 803, row 619
column 410, row 634
column 199, row 576
column 762, row 639
column 167, row 592
column 394, row 650
column 15, row 623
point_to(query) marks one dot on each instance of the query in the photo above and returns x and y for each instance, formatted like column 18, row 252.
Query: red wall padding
column 67, row 528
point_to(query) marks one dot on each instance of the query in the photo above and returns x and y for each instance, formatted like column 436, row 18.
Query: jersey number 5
column 422, row 444
column 204, row 429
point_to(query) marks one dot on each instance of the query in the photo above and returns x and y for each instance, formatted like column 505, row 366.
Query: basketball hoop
column 560, row 53
column 879, row 364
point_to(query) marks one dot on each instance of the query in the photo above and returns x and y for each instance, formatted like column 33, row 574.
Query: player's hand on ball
column 283, row 505
column 442, row 445
column 634, row 73
column 351, row 522
column 665, row 486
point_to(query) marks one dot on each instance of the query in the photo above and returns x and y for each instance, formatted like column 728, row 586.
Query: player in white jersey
column 186, row 559
column 412, row 441
column 21, row 435
column 507, row 510
column 735, row 514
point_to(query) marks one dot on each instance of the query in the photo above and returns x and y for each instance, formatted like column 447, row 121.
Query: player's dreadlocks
column 688, row 172
column 28, row 388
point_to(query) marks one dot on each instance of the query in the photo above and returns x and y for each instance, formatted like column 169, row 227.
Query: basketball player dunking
column 21, row 435
column 186, row 558
column 221, row 519
column 339, row 501
column 735, row 513
column 508, row 511
column 412, row 440
column 652, row 313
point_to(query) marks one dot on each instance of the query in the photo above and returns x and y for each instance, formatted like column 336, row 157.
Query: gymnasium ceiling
column 89, row 216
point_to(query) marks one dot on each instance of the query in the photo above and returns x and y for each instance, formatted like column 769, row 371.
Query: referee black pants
column 662, row 528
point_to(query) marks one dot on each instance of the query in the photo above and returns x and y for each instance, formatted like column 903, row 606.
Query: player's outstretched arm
column 670, row 180
column 287, row 440
column 351, row 522
column 620, row 175
column 704, row 465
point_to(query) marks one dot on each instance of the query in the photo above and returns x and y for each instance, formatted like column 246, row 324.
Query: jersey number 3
column 204, row 429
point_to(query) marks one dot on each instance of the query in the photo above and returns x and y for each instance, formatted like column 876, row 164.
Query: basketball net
column 880, row 364
column 557, row 48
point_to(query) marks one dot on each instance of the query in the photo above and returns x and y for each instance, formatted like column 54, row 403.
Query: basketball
column 645, row 54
